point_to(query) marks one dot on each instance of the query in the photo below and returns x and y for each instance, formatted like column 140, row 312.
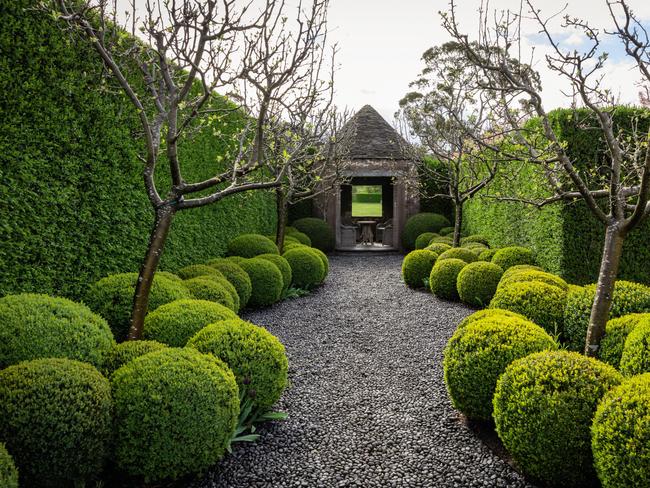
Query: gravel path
column 367, row 404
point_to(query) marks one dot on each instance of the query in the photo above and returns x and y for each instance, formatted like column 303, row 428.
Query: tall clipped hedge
column 566, row 239
column 68, row 150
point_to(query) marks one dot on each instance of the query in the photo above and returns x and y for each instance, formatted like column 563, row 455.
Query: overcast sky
column 381, row 42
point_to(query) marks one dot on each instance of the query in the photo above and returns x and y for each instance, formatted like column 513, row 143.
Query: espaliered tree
column 170, row 59
column 616, row 190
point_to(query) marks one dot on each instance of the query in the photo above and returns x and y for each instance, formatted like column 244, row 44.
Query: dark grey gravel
column 367, row 403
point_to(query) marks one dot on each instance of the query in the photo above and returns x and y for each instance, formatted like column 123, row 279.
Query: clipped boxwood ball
column 475, row 238
column 318, row 231
column 112, row 298
column 197, row 270
column 306, row 267
column 424, row 239
column 628, row 298
column 539, row 302
column 39, row 326
column 56, row 420
column 507, row 257
column 417, row 266
column 443, row 240
column 235, row 259
column 477, row 283
column 323, row 257
column 494, row 314
column 476, row 355
column 523, row 276
column 517, row 268
column 543, row 407
column 443, row 277
column 301, row 237
column 175, row 323
column 8, row 471
column 171, row 276
column 487, row 255
column 438, row 247
column 616, row 332
column 636, row 351
column 419, row 224
column 458, row 253
column 445, row 231
column 620, row 435
column 127, row 351
column 251, row 245
column 204, row 288
column 266, row 280
column 283, row 266
column 175, row 411
column 237, row 277
column 255, row 356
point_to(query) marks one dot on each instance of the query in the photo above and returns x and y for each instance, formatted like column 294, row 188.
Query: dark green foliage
column 417, row 266
column 55, row 417
column 68, row 154
column 266, row 279
column 539, row 302
column 251, row 245
column 513, row 256
column 318, row 231
column 204, row 288
column 175, row 412
column 476, row 355
column 8, row 471
column 493, row 314
column 38, row 326
column 127, row 351
column 196, row 270
column 442, row 280
column 176, row 322
column 628, row 298
column 636, row 351
column 458, row 253
column 237, row 276
column 255, row 356
column 620, row 433
column 301, row 237
column 112, row 298
column 445, row 231
column 543, row 406
column 323, row 257
column 307, row 268
column 424, row 239
column 477, row 283
column 283, row 266
column 487, row 254
column 523, row 276
column 419, row 224
column 616, row 332
column 438, row 247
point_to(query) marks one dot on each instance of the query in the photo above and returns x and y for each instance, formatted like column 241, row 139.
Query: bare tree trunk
column 162, row 224
column 458, row 221
column 609, row 264
column 282, row 210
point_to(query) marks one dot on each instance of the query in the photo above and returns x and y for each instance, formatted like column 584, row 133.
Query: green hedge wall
column 566, row 238
column 72, row 201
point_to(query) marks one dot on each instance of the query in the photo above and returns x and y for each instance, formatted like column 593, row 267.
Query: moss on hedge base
column 616, row 332
column 284, row 267
column 477, row 283
column 543, row 407
column 620, row 434
column 636, row 351
column 318, row 231
column 205, row 288
column 38, row 326
column 55, row 417
column 417, row 266
column 251, row 245
column 175, row 408
column 127, row 351
column 419, row 224
column 458, row 253
column 237, row 276
column 8, row 471
column 443, row 277
column 512, row 256
column 266, row 280
column 476, row 355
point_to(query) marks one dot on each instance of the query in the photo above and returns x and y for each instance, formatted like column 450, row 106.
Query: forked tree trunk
column 282, row 211
column 458, row 222
column 609, row 264
column 159, row 233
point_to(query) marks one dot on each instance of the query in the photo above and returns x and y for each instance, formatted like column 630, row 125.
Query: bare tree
column 618, row 194
column 182, row 53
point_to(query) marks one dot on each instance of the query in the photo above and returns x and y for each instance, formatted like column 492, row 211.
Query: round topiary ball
column 175, row 323
column 476, row 355
column 524, row 276
column 204, row 288
column 8, row 471
column 39, row 326
column 616, row 332
column 306, row 267
column 511, row 256
column 424, row 239
column 323, row 257
column 255, row 356
column 636, row 351
column 251, row 245
column 443, row 277
column 476, row 247
column 494, row 314
column 519, row 268
column 283, row 266
column 445, row 231
column 112, row 298
column 197, row 270
column 543, row 406
column 55, row 417
column 443, row 240
column 235, row 259
column 438, row 247
column 318, row 231
column 477, row 283
column 628, row 298
column 417, row 266
column 458, row 253
column 266, row 279
column 301, row 237
column 168, row 275
column 237, row 277
column 127, row 351
column 176, row 409
column 620, row 433
column 487, row 255
column 419, row 224
column 475, row 238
